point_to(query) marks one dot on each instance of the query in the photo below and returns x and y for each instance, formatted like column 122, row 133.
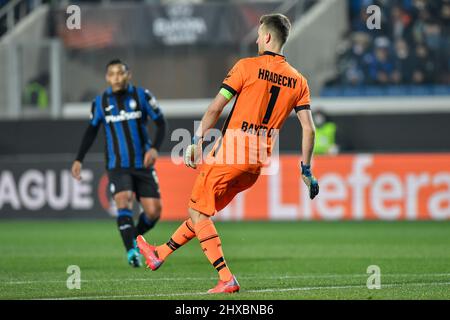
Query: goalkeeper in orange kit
column 267, row 90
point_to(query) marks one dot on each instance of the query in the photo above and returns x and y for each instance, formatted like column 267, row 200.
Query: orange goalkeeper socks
column 210, row 242
column 181, row 236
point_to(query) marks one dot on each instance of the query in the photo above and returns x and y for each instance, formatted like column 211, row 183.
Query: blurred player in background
column 325, row 134
column 123, row 109
column 267, row 90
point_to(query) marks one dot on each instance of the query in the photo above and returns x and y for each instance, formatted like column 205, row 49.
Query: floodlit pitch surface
column 285, row 260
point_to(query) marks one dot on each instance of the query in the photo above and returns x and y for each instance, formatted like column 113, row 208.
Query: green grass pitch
column 272, row 260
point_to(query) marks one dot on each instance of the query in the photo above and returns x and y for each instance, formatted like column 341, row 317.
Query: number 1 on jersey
column 274, row 92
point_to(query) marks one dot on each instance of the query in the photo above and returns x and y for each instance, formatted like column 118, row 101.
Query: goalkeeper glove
column 310, row 181
column 193, row 152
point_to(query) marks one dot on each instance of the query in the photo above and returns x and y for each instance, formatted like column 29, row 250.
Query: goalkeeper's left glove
column 193, row 152
column 310, row 181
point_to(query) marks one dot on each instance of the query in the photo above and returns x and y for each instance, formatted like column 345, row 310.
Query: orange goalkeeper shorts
column 217, row 185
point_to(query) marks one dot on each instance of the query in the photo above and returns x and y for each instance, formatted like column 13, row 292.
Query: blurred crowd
column 411, row 47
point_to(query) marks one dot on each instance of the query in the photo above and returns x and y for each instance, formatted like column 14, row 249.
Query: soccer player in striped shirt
column 123, row 110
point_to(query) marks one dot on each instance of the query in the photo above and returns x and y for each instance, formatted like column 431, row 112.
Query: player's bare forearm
column 308, row 144
column 209, row 120
column 212, row 115
column 308, row 135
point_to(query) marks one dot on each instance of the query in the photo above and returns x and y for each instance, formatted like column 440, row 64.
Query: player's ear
column 129, row 76
column 268, row 37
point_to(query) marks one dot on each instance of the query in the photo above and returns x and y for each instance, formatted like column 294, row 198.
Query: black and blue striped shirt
column 124, row 116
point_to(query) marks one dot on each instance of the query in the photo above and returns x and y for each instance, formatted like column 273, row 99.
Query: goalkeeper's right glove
column 193, row 153
column 310, row 181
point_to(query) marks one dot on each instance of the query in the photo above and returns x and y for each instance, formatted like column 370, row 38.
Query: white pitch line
column 158, row 295
column 107, row 280
column 304, row 276
column 389, row 285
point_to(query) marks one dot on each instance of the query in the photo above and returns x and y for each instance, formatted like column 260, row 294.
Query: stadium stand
column 410, row 54
column 12, row 11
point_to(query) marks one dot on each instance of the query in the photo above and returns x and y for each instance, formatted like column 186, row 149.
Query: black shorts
column 143, row 182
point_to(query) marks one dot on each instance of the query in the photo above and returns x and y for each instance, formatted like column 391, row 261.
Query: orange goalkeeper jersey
column 267, row 89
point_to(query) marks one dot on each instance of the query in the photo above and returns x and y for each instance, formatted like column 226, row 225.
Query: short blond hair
column 279, row 24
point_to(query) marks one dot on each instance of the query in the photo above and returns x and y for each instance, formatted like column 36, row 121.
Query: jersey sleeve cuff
column 304, row 107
